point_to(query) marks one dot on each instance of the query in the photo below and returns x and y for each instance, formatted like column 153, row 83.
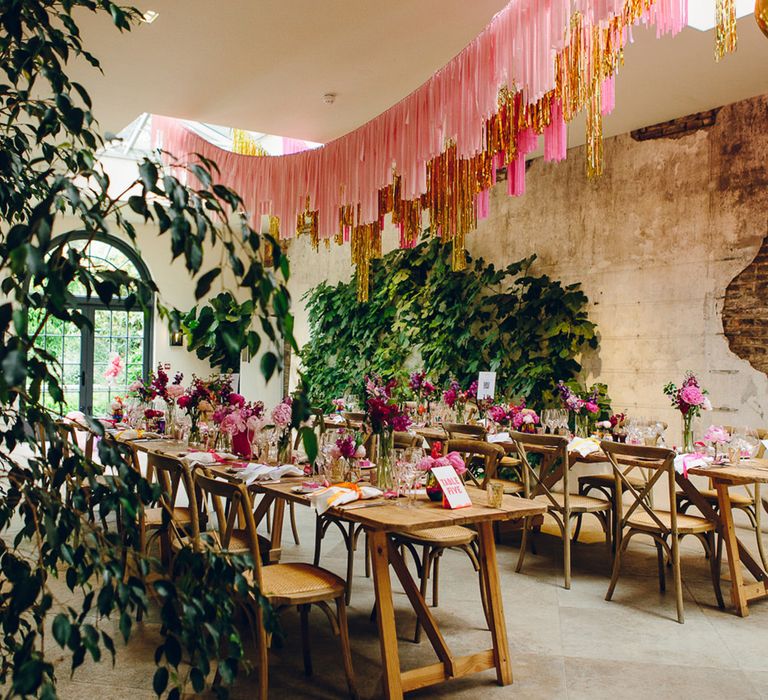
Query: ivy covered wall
column 529, row 328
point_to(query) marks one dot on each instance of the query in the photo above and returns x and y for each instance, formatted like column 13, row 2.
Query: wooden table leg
column 385, row 616
column 490, row 572
column 277, row 530
column 732, row 549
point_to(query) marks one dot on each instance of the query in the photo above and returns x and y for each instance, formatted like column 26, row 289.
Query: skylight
column 701, row 13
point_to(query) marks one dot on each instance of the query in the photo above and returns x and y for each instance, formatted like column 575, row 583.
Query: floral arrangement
column 158, row 385
column 689, row 398
column 203, row 396
column 348, row 446
column 576, row 403
column 452, row 459
column 517, row 416
column 338, row 405
column 115, row 368
column 457, row 399
column 617, row 421
column 717, row 435
column 118, row 409
column 281, row 417
column 383, row 413
column 239, row 416
column 423, row 389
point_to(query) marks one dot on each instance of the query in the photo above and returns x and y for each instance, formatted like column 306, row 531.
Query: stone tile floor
column 563, row 643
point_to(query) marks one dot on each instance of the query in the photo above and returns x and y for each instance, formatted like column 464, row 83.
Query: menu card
column 454, row 493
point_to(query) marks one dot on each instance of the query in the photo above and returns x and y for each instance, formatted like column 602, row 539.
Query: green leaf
column 204, row 282
column 160, row 680
column 61, row 628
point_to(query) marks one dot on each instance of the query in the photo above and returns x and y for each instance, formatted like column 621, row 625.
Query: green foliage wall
column 530, row 329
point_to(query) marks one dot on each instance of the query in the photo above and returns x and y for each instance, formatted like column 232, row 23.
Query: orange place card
column 454, row 493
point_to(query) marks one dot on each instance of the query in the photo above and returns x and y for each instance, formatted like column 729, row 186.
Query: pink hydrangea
column 281, row 415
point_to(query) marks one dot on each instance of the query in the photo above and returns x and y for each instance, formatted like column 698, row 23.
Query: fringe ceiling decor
column 532, row 69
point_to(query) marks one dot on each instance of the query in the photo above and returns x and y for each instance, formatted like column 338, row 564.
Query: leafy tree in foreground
column 48, row 171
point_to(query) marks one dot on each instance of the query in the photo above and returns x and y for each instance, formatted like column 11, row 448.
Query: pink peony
column 281, row 415
column 455, row 460
column 692, row 395
column 591, row 406
column 175, row 391
column 717, row 434
column 184, row 400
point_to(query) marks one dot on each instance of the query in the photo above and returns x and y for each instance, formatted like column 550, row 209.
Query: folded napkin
column 584, row 446
column 340, row 494
column 133, row 434
column 205, row 459
column 499, row 437
column 266, row 472
column 336, row 418
column 688, row 461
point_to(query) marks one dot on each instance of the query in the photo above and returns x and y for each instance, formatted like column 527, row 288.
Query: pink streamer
column 516, row 48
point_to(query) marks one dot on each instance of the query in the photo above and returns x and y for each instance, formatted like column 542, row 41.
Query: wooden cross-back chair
column 538, row 484
column 172, row 474
column 665, row 527
column 434, row 541
column 749, row 500
column 604, row 483
column 465, row 431
column 284, row 585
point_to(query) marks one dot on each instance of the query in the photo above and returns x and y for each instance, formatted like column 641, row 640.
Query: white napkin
column 206, row 458
column 499, row 437
column 688, row 461
column 336, row 418
column 584, row 446
column 332, row 496
column 266, row 472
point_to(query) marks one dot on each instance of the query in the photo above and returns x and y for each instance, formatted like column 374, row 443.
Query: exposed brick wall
column 675, row 128
column 745, row 311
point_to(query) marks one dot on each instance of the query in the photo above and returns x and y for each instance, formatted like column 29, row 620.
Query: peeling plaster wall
column 654, row 242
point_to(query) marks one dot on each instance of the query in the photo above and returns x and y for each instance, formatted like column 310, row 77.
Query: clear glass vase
column 384, row 460
column 688, row 433
column 284, row 448
column 581, row 425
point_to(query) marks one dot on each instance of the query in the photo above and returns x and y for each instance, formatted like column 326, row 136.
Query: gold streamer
column 244, row 144
column 725, row 19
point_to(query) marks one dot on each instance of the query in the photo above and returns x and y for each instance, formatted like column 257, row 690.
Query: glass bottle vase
column 384, row 460
column 688, row 433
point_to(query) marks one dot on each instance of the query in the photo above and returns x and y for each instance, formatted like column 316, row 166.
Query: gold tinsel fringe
column 453, row 183
column 243, row 144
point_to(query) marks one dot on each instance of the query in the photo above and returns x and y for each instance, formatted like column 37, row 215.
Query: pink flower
column 692, row 395
column 219, row 415
column 175, row 391
column 114, row 368
column 184, row 400
column 335, row 451
column 591, row 406
column 706, row 405
column 236, row 400
column 360, row 452
column 717, row 434
column 281, row 415
column 136, row 385
column 455, row 460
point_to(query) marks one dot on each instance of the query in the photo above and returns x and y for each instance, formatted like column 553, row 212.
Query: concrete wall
column 655, row 243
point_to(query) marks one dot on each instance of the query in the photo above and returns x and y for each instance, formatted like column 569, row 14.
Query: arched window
column 85, row 355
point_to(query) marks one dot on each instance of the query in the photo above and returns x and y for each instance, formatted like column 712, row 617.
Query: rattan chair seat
column 737, row 499
column 298, row 583
column 578, row 504
column 686, row 524
column 609, row 480
column 153, row 517
column 451, row 536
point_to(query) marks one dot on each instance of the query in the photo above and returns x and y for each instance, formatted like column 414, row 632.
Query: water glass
column 495, row 491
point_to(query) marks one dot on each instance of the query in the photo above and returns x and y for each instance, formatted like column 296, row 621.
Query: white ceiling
column 265, row 66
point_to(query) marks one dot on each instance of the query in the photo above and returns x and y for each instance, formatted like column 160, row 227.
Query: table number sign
column 454, row 493
column 486, row 385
